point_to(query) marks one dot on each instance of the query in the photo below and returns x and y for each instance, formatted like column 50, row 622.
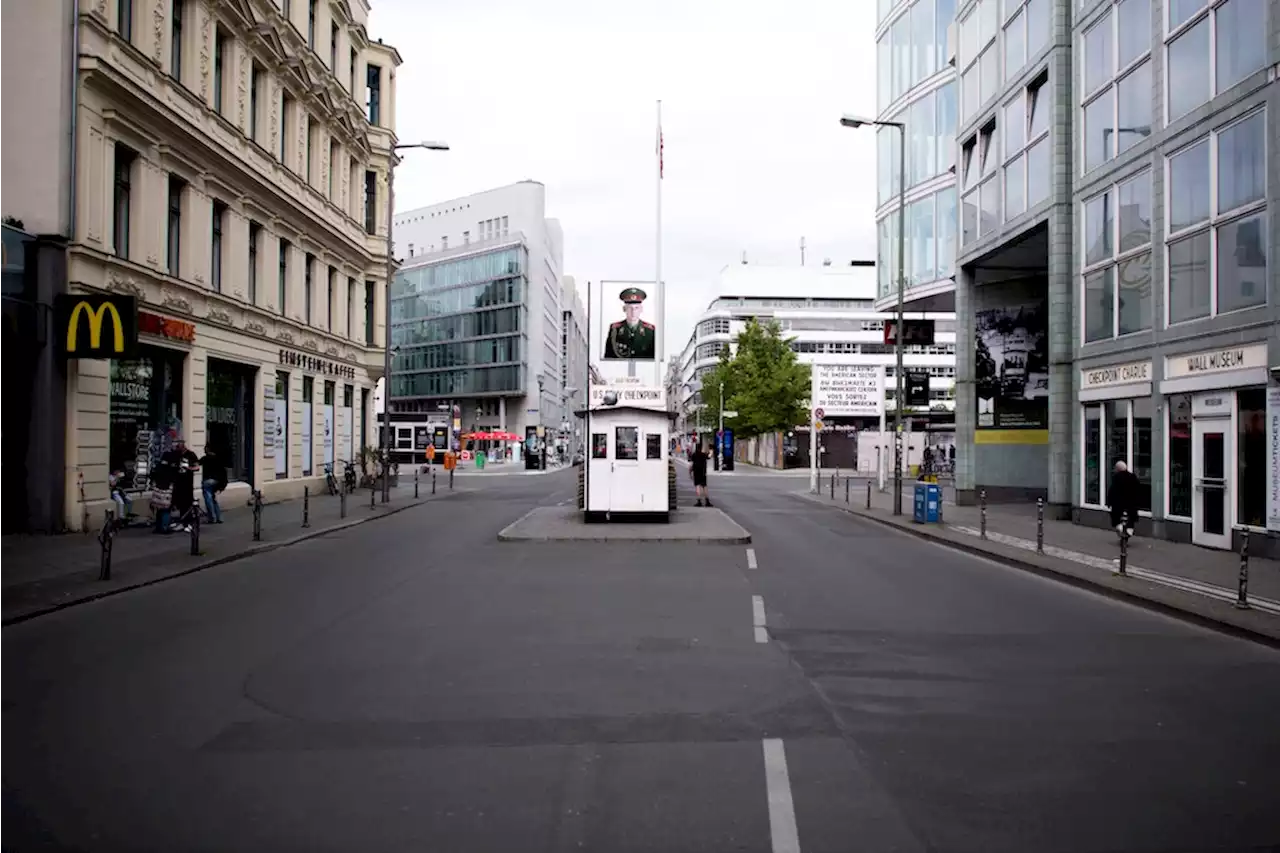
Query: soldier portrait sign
column 631, row 338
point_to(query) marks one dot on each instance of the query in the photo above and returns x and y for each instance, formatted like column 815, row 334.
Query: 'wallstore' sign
column 1117, row 374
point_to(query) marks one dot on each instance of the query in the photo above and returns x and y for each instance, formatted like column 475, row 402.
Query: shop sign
column 914, row 333
column 166, row 327
column 1223, row 360
column 1117, row 374
column 316, row 364
column 1273, row 457
column 96, row 326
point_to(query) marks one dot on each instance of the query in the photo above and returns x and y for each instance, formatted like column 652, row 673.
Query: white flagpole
column 661, row 290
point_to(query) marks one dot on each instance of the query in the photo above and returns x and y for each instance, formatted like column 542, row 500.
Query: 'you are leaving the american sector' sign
column 848, row 390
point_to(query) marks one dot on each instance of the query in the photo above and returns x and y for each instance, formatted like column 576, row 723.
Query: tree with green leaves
column 764, row 382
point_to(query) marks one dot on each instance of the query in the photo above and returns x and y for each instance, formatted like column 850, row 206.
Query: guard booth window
column 599, row 445
column 627, row 443
column 653, row 445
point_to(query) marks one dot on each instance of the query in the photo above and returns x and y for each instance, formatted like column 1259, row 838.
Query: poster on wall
column 1273, row 457
column 1012, row 367
column 269, row 423
column 308, row 452
column 280, row 420
column 328, row 434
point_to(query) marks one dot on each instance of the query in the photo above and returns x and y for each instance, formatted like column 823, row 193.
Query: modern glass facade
column 916, row 85
column 460, row 325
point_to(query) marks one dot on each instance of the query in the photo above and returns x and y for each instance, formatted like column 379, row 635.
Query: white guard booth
column 628, row 431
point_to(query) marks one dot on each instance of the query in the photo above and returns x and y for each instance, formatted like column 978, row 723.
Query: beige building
column 231, row 162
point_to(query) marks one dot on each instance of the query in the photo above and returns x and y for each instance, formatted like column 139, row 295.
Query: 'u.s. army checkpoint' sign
column 848, row 390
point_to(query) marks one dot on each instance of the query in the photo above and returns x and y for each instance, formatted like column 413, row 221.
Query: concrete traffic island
column 566, row 524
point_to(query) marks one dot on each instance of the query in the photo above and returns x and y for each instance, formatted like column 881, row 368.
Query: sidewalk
column 40, row 574
column 1195, row 581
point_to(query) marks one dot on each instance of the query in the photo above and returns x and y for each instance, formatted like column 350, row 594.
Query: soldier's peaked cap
column 633, row 295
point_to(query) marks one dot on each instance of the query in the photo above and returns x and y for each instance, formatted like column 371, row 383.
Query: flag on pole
column 659, row 152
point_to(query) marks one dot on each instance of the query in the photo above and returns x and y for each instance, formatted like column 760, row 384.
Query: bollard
column 373, row 497
column 106, row 539
column 306, row 506
column 433, row 481
column 451, row 479
column 1124, row 544
column 257, row 516
column 415, row 483
column 833, row 487
column 1242, row 586
column 195, row 531
column 342, row 504
column 1039, row 525
column 868, row 494
column 846, row 489
column 982, row 503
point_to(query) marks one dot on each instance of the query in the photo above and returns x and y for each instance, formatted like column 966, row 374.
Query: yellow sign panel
column 96, row 326
column 1011, row 436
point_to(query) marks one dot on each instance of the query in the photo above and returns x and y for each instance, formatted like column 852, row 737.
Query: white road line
column 751, row 558
column 782, row 811
column 757, row 619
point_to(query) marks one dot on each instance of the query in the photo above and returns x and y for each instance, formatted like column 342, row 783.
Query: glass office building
column 460, row 327
column 916, row 85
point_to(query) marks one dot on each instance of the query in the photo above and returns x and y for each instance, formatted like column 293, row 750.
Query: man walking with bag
column 698, row 473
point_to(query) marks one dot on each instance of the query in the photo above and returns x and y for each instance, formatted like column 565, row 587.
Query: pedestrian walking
column 214, row 479
column 1122, row 497
column 185, row 463
column 698, row 473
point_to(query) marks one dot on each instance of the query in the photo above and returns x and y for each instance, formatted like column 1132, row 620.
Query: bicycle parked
column 330, row 481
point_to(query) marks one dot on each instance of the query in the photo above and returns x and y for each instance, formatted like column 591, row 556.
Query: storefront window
column 229, row 416
column 1117, row 417
column 1117, row 431
column 1093, row 455
column 1179, row 452
column 281, row 418
column 308, row 418
column 1140, row 453
column 1251, row 496
column 145, row 409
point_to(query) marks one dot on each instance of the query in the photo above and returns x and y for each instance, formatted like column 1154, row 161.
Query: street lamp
column 856, row 122
column 720, row 432
column 386, row 344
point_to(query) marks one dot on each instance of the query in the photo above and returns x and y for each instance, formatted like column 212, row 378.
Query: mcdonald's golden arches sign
column 96, row 326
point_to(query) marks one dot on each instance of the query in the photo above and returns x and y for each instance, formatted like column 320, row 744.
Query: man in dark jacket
column 1122, row 497
column 184, row 483
column 698, row 473
column 213, row 474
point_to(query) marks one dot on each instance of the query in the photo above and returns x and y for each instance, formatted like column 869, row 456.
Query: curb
column 1091, row 584
column 252, row 551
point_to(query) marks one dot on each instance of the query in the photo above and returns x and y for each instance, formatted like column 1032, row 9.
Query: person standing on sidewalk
column 1122, row 496
column 214, row 474
column 698, row 473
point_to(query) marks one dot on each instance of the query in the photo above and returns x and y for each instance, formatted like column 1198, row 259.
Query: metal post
column 1124, row 544
column 433, row 481
column 982, row 503
column 386, row 329
column 1039, row 525
column 106, row 539
column 342, row 504
column 451, row 479
column 833, row 487
column 257, row 515
column 846, row 489
column 868, row 494
column 902, row 278
column 306, row 506
column 195, row 531
column 373, row 497
column 386, row 483
column 415, row 482
column 1242, row 585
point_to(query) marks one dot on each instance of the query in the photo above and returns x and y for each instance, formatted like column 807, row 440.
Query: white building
column 828, row 314
column 447, row 312
column 229, row 172
column 573, row 361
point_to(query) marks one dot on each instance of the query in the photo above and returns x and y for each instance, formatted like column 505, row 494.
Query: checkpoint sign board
column 848, row 390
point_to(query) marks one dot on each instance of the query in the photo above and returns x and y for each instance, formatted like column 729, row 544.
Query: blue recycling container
column 928, row 504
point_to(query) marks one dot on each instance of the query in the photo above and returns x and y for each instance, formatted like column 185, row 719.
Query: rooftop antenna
column 744, row 257
column 826, row 262
column 801, row 251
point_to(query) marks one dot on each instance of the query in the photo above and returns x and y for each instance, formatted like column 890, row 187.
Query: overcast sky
column 564, row 92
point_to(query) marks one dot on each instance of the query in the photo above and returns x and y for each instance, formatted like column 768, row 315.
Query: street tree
column 765, row 383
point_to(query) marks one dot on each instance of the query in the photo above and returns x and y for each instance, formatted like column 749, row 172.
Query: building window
column 444, row 243
column 333, row 170
column 144, row 403
column 978, row 58
column 308, row 297
column 219, row 69
column 175, row 40
column 173, row 241
column 333, row 48
column 215, row 245
column 311, row 24
column 1117, row 431
column 282, row 276
column 1252, row 455
column 308, row 419
column 287, row 119
column 370, row 202
column 368, row 313
column 351, row 307
column 1216, row 221
column 1117, row 260
column 373, row 93
column 466, row 238
column 1179, row 455
column 122, row 201
column 1116, row 83
column 328, row 299
column 1209, row 50
column 1026, row 147
column 124, row 19
column 351, row 78
column 311, row 135
column 255, row 239
column 980, row 203
column 255, row 100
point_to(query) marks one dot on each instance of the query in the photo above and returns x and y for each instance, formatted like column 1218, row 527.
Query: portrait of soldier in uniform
column 631, row 338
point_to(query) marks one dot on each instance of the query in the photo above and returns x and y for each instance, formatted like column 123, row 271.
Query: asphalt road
column 413, row 684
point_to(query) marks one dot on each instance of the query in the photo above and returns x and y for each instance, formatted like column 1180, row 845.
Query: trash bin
column 480, row 459
column 928, row 504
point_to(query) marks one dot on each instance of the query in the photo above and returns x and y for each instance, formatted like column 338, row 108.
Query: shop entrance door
column 1211, row 457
